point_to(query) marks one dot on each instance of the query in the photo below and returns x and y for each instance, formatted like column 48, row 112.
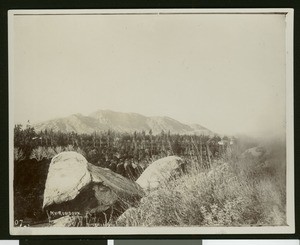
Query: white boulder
column 160, row 171
column 67, row 176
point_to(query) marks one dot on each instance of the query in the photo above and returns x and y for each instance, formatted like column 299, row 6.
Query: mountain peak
column 102, row 120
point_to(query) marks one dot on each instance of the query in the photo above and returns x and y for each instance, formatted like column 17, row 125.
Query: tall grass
column 239, row 192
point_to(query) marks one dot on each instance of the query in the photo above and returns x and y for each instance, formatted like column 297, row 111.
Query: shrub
column 50, row 152
column 41, row 153
column 38, row 153
column 18, row 154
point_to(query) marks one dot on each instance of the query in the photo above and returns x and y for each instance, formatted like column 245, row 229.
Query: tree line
column 110, row 148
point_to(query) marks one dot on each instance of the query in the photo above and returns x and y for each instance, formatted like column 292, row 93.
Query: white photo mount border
column 289, row 229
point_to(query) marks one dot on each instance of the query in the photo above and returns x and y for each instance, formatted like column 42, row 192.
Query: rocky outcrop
column 74, row 185
column 160, row 171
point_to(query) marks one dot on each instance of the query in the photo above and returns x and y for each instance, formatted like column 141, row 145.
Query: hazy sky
column 225, row 72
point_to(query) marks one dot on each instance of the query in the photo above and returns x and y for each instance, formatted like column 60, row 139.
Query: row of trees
column 109, row 148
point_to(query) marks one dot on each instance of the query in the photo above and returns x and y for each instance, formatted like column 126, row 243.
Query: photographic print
column 173, row 121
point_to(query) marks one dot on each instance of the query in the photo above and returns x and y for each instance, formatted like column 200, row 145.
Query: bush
column 18, row 154
column 39, row 153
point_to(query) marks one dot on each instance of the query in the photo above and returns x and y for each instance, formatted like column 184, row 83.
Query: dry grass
column 240, row 192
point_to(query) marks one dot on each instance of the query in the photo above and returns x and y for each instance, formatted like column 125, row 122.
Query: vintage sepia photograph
column 151, row 121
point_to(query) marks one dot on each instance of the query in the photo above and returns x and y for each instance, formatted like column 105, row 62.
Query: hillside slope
column 102, row 120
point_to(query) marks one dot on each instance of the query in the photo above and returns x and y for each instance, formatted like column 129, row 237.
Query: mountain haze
column 102, row 120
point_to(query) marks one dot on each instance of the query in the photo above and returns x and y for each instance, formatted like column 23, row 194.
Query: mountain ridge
column 102, row 120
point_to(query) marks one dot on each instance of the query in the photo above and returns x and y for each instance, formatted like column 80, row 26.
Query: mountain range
column 103, row 120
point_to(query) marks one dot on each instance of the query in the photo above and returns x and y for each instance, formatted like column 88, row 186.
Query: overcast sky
column 225, row 72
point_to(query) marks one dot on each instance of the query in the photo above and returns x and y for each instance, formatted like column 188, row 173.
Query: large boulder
column 160, row 171
column 75, row 186
column 67, row 176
